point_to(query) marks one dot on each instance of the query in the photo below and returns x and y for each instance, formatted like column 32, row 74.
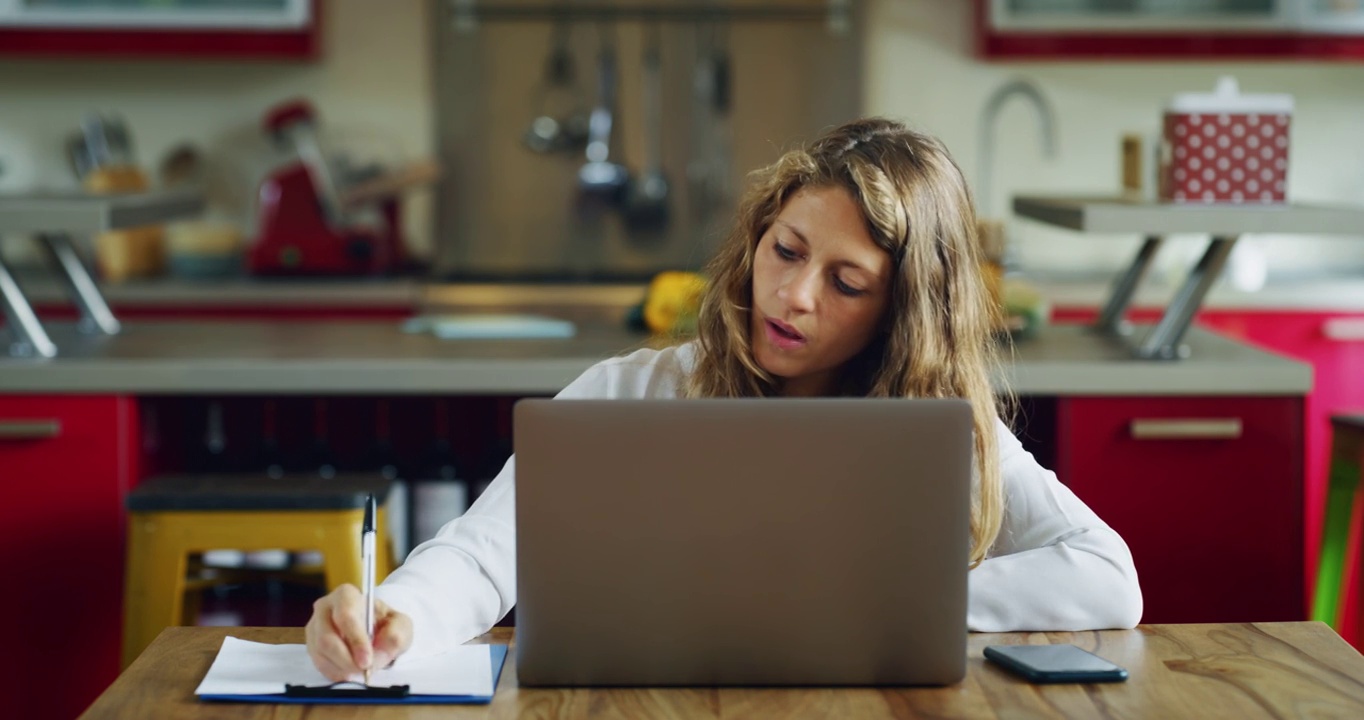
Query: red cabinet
column 217, row 29
column 1333, row 342
column 65, row 463
column 1252, row 29
column 1206, row 491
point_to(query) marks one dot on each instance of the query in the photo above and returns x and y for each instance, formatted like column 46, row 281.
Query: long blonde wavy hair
column 936, row 339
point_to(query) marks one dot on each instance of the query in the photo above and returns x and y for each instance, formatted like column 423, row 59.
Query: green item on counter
column 1025, row 310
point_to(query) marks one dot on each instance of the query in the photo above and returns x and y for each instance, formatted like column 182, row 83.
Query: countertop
column 1339, row 292
column 374, row 357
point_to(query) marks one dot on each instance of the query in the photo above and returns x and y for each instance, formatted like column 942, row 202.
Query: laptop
column 742, row 542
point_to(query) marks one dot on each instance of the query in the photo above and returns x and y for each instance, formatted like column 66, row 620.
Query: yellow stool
column 172, row 518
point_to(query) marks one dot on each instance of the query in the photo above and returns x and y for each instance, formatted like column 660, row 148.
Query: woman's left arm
column 1055, row 565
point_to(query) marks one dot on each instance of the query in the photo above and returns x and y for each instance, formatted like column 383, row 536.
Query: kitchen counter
column 1327, row 292
column 42, row 288
column 376, row 357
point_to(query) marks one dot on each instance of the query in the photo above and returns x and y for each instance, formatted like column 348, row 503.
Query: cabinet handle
column 30, row 429
column 1343, row 329
column 1186, row 429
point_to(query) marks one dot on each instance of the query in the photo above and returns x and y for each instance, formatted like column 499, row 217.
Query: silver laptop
column 742, row 542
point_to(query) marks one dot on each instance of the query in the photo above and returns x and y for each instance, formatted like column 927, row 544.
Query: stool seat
column 256, row 492
column 173, row 518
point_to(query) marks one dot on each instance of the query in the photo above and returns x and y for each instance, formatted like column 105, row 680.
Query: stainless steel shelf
column 1225, row 223
column 54, row 218
column 81, row 214
column 1117, row 215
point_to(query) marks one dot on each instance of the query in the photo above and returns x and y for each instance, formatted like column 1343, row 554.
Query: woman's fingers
column 339, row 642
column 333, row 659
column 328, row 651
column 348, row 619
column 392, row 635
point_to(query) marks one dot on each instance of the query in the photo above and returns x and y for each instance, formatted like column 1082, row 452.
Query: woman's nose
column 799, row 290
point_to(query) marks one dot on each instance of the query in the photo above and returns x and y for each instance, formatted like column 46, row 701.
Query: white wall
column 921, row 68
column 372, row 89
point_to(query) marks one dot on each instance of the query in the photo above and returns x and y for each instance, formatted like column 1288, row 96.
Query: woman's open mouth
column 782, row 335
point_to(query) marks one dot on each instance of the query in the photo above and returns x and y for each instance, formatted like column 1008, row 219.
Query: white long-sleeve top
column 1055, row 565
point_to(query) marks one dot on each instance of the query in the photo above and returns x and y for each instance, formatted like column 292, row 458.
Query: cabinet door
column 1209, row 16
column 1325, row 29
column 1207, row 492
column 1340, row 17
column 261, row 29
column 65, row 463
column 1333, row 342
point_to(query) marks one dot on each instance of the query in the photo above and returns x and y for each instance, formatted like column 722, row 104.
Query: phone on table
column 1054, row 663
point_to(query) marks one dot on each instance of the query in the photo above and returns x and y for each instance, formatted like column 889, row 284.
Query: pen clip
column 332, row 691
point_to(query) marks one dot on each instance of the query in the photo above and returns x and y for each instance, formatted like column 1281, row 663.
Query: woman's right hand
column 338, row 641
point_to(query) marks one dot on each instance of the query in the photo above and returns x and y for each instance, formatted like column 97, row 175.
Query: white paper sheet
column 251, row 668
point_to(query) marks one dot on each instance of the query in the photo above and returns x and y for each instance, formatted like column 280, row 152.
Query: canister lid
column 1227, row 98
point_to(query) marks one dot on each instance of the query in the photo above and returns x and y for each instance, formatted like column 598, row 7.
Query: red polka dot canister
column 1225, row 147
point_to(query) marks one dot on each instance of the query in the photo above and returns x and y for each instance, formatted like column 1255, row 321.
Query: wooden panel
column 1265, row 670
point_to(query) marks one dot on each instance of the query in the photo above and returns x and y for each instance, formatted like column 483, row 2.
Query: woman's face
column 820, row 290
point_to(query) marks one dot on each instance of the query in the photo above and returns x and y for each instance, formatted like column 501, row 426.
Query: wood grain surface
column 1261, row 670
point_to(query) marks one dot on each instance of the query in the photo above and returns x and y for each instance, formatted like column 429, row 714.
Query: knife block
column 132, row 252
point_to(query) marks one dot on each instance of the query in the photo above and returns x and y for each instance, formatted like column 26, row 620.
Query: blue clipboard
column 498, row 654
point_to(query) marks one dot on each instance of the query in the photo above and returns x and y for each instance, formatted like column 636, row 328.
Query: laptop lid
column 774, row 541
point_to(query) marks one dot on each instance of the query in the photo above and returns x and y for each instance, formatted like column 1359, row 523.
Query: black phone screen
column 1054, row 663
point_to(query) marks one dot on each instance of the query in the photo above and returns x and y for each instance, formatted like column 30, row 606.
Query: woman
column 853, row 270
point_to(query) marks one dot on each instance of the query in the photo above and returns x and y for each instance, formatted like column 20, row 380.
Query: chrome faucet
column 1047, row 125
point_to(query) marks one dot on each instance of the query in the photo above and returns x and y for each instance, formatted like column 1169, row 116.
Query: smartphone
column 1054, row 663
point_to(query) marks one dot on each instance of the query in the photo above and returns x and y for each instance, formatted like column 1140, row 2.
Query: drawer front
column 65, row 462
column 1207, row 492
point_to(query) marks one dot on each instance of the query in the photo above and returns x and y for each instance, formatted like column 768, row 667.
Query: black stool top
column 1348, row 421
column 256, row 492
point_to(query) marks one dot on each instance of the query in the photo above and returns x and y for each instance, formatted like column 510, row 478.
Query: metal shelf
column 81, row 214
column 54, row 218
column 1117, row 215
column 1225, row 223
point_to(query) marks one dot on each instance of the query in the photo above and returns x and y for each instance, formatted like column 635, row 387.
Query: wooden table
column 1276, row 670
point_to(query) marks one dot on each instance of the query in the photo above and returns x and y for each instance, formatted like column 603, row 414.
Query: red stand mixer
column 308, row 218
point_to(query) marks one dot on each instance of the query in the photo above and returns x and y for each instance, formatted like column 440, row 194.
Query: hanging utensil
column 646, row 211
column 722, row 146
column 601, row 182
column 547, row 132
column 698, row 163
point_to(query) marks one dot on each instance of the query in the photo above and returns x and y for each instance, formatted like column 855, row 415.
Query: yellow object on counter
column 129, row 252
column 673, row 301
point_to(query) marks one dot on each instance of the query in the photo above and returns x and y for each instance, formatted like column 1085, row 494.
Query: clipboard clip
column 333, row 691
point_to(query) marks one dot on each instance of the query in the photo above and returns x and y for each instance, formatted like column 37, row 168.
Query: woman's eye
column 784, row 252
column 847, row 289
